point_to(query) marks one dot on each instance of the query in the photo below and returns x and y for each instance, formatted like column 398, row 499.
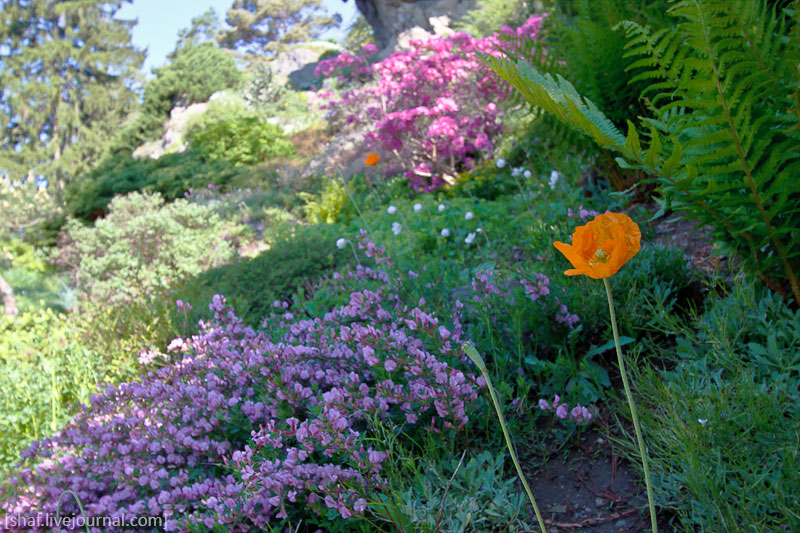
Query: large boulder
column 391, row 18
column 174, row 129
column 297, row 64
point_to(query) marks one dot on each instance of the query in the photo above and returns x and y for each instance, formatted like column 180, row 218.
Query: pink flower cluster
column 536, row 290
column 565, row 317
column 244, row 427
column 541, row 288
column 579, row 413
column 433, row 108
column 349, row 67
column 483, row 287
column 582, row 213
column 529, row 29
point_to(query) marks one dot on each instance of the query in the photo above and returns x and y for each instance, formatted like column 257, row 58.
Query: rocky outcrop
column 391, row 18
column 297, row 64
column 174, row 128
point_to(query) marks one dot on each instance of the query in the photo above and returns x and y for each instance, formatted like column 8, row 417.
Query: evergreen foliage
column 723, row 87
column 171, row 175
column 271, row 25
column 263, row 91
column 204, row 28
column 66, row 73
column 143, row 246
column 24, row 204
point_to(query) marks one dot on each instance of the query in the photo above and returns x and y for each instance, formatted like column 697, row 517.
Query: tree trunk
column 7, row 295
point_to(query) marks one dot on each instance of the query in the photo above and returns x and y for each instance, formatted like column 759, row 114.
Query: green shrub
column 24, row 204
column 327, row 205
column 20, row 254
column 723, row 88
column 171, row 176
column 35, row 283
column 291, row 266
column 143, row 246
column 241, row 141
column 130, row 263
column 123, row 331
column 722, row 423
column 263, row 91
column 485, row 182
column 45, row 372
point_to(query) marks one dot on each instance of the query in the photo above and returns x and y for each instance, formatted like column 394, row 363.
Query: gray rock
column 390, row 18
column 174, row 129
column 297, row 65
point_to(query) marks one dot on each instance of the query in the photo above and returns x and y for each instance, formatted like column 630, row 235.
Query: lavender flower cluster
column 244, row 427
column 579, row 413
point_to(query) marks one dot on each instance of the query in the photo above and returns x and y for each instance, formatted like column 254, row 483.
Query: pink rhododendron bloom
column 433, row 106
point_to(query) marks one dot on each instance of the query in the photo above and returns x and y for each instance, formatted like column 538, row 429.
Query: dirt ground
column 594, row 490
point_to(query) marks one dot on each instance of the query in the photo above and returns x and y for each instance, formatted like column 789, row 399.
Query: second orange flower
column 372, row 159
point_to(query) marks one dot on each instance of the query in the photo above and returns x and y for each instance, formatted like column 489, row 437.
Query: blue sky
column 160, row 20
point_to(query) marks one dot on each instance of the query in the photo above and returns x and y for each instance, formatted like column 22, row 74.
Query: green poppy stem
column 347, row 190
column 637, row 429
column 473, row 354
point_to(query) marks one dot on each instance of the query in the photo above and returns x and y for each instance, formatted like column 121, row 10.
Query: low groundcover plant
column 243, row 429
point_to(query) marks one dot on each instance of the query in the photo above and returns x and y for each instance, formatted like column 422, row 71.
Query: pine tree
column 272, row 25
column 66, row 67
column 204, row 28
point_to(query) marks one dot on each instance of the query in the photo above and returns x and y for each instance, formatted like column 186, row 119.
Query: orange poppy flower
column 601, row 247
column 372, row 159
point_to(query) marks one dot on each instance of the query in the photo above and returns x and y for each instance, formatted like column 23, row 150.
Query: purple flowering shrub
column 536, row 289
column 244, row 428
column 433, row 109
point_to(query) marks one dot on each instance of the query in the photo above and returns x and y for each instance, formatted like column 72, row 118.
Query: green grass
column 722, row 421
column 45, row 371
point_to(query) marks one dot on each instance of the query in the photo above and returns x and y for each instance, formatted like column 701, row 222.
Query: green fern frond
column 724, row 135
column 558, row 97
column 659, row 57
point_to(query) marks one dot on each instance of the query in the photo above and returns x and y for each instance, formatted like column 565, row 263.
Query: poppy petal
column 572, row 255
column 618, row 236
